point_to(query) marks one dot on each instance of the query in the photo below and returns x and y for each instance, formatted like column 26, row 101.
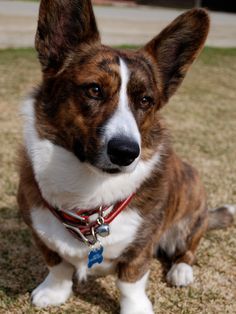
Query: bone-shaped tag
column 95, row 257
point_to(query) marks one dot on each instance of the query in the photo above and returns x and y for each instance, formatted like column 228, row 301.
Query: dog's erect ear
column 62, row 26
column 176, row 47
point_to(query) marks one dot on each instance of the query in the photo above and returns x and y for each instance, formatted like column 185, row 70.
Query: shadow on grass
column 20, row 263
column 22, row 268
column 94, row 293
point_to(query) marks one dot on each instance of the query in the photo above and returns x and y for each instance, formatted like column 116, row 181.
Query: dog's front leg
column 56, row 288
column 132, row 280
column 133, row 297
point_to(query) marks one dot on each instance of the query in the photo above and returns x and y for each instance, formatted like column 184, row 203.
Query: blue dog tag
column 95, row 257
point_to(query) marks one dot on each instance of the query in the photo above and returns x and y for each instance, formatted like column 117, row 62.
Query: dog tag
column 103, row 230
column 95, row 256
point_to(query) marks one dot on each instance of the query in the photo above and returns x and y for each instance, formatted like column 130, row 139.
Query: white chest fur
column 57, row 238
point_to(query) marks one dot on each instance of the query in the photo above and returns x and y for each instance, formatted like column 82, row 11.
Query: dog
column 100, row 187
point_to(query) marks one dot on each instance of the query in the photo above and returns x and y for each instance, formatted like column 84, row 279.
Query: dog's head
column 101, row 103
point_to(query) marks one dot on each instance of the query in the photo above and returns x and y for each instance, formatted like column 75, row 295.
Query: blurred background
column 228, row 5
column 126, row 22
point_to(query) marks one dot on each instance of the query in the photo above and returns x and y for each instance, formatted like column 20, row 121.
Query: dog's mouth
column 114, row 169
column 103, row 170
column 111, row 170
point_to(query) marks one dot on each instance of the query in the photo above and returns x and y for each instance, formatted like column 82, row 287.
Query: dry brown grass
column 202, row 117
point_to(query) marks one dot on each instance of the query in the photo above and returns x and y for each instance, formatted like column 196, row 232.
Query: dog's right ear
column 63, row 25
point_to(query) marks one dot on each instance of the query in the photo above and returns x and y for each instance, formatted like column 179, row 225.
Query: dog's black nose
column 122, row 151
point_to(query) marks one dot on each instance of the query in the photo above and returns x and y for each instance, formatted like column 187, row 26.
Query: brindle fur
column 172, row 201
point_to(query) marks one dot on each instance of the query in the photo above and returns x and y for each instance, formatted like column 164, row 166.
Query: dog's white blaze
column 123, row 123
column 133, row 297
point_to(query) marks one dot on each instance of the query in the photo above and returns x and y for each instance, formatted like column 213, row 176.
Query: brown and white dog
column 94, row 137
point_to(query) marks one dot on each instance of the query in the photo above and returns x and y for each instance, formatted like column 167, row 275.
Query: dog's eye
column 146, row 102
column 94, row 91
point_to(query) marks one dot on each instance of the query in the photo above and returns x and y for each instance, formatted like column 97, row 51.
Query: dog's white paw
column 140, row 306
column 133, row 297
column 51, row 294
column 180, row 275
column 56, row 288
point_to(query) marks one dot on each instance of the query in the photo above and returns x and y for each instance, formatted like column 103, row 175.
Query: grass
column 202, row 118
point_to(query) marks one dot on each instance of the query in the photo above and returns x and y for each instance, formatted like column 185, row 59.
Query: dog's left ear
column 63, row 25
column 175, row 49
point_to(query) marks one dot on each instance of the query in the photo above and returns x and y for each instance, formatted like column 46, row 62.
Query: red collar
column 79, row 223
